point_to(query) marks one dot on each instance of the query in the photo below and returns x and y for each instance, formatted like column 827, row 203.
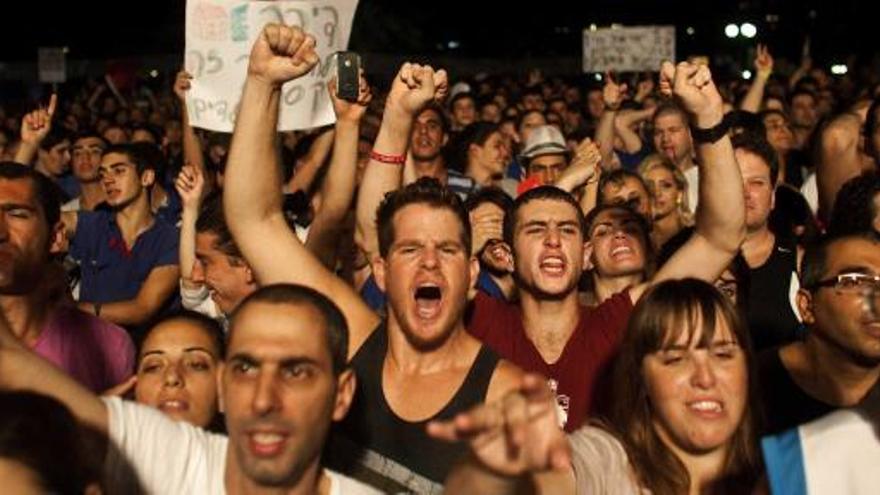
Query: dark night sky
column 484, row 28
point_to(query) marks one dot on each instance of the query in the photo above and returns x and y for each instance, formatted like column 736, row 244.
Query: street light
column 748, row 29
column 731, row 31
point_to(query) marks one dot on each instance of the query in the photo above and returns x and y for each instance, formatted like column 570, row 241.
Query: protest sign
column 219, row 37
column 51, row 65
column 625, row 49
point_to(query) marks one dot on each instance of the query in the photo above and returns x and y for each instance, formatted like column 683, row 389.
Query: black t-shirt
column 785, row 404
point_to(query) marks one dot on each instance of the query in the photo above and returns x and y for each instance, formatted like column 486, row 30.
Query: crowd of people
column 663, row 283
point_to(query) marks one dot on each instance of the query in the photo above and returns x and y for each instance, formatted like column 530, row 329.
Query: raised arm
column 839, row 158
column 190, row 185
column 192, row 148
column 763, row 69
column 412, row 88
column 22, row 369
column 632, row 143
column 613, row 95
column 252, row 193
column 582, row 175
column 337, row 190
column 720, row 216
column 308, row 167
column 35, row 126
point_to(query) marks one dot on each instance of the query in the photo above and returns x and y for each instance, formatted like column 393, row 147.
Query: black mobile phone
column 348, row 66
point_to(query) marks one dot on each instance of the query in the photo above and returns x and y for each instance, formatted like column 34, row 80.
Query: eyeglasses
column 853, row 283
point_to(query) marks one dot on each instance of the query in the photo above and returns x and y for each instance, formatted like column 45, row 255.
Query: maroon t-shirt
column 585, row 358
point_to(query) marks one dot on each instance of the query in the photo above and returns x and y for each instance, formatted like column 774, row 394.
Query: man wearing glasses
column 838, row 362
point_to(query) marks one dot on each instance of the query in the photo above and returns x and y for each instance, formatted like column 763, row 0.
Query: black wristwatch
column 712, row 134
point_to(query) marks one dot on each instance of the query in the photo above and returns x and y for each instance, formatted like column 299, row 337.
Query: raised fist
column 282, row 53
column 692, row 86
column 416, row 85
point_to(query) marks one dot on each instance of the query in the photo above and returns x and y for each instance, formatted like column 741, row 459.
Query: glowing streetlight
column 748, row 29
column 731, row 30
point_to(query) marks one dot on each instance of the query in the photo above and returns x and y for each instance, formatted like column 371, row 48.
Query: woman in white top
column 681, row 420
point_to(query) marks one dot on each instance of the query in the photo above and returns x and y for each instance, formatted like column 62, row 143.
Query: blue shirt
column 110, row 271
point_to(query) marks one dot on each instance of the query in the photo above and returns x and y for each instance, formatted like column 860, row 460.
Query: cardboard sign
column 219, row 37
column 51, row 65
column 628, row 49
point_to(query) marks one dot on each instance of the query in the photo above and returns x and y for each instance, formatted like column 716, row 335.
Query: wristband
column 389, row 159
column 712, row 134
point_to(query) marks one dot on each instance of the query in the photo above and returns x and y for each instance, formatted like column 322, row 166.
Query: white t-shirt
column 692, row 176
column 600, row 464
column 175, row 457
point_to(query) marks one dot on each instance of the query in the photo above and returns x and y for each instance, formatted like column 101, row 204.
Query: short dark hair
column 758, row 145
column 800, row 91
column 138, row 155
column 490, row 194
column 336, row 331
column 55, row 137
column 426, row 191
column 618, row 177
column 47, row 192
column 436, row 108
column 551, row 193
column 42, row 434
column 815, row 260
column 90, row 133
column 854, row 209
column 670, row 107
column 211, row 220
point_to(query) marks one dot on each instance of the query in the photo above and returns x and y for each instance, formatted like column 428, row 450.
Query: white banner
column 51, row 65
column 628, row 49
column 219, row 37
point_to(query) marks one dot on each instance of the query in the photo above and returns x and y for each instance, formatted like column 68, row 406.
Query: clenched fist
column 416, row 85
column 692, row 86
column 282, row 53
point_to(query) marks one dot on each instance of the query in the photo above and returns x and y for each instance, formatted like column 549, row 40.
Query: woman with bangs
column 682, row 419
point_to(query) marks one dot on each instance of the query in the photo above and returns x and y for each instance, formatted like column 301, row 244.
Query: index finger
column 53, row 103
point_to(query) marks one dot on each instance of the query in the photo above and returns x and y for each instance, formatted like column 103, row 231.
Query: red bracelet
column 389, row 159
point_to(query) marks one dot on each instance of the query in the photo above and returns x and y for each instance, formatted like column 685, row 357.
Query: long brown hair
column 659, row 319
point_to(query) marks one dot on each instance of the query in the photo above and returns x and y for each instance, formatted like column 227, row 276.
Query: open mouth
column 428, row 299
column 621, row 251
column 266, row 444
column 706, row 407
column 552, row 265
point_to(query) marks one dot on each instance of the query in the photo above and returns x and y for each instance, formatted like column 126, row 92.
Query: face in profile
column 177, row 373
column 697, row 390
